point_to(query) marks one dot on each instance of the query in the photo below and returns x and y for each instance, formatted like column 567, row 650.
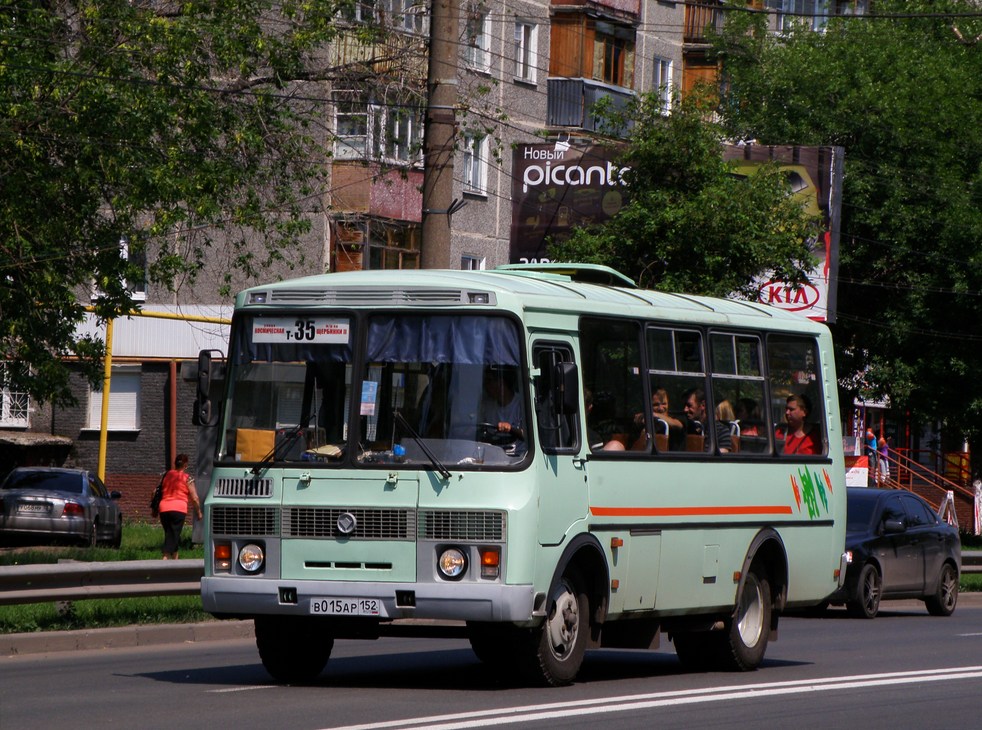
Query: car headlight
column 452, row 563
column 251, row 557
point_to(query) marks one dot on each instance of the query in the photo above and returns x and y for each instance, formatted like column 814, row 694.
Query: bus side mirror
column 566, row 381
column 201, row 416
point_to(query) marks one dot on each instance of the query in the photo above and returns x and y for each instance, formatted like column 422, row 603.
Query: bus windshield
column 429, row 388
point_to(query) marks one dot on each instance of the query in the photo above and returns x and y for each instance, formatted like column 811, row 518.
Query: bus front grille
column 471, row 525
column 368, row 524
column 239, row 488
column 251, row 521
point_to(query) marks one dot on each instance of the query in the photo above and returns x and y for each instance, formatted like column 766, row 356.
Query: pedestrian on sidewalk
column 179, row 494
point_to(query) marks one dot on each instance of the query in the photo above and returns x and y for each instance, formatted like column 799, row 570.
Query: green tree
column 901, row 90
column 172, row 126
column 690, row 224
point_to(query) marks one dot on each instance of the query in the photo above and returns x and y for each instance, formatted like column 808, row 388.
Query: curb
column 46, row 642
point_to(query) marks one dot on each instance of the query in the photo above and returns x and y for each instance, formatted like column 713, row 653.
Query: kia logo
column 784, row 296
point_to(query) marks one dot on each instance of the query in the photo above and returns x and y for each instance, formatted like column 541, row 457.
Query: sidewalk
column 44, row 642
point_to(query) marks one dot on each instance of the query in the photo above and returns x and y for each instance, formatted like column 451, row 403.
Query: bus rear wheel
column 555, row 650
column 749, row 629
column 741, row 644
column 293, row 649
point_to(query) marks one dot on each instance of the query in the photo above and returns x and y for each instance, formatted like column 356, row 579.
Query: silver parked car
column 47, row 504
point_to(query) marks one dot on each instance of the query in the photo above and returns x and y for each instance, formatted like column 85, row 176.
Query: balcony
column 570, row 102
column 699, row 17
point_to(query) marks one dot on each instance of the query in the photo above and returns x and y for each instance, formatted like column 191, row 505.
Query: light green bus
column 544, row 459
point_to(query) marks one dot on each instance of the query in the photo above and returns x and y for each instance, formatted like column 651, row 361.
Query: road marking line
column 534, row 713
column 242, row 689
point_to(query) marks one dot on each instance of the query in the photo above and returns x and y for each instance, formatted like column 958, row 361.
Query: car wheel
column 92, row 538
column 943, row 602
column 293, row 649
column 117, row 540
column 866, row 603
column 552, row 653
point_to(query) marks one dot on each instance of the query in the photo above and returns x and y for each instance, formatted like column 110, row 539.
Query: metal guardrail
column 70, row 581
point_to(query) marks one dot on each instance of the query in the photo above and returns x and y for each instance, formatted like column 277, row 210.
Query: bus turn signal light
column 490, row 563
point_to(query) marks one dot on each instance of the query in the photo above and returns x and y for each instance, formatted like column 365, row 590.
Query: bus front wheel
column 558, row 645
column 293, row 649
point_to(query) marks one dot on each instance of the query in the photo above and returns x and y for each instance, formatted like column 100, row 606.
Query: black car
column 898, row 548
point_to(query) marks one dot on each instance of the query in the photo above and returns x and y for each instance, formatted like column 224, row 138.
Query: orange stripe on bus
column 765, row 509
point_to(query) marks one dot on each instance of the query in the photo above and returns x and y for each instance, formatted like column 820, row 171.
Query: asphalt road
column 903, row 669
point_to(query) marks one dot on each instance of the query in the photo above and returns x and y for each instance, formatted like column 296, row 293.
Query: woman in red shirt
column 178, row 493
column 802, row 437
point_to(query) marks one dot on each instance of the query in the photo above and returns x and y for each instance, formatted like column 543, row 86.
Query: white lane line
column 534, row 713
column 242, row 689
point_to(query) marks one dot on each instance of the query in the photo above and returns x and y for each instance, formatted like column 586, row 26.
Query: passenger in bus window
column 669, row 431
column 695, row 412
column 748, row 414
column 801, row 437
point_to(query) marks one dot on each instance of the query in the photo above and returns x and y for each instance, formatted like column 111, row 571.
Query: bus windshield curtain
column 463, row 340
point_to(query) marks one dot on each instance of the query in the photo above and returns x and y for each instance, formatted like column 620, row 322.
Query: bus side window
column 738, row 390
column 793, row 369
column 558, row 430
column 611, row 355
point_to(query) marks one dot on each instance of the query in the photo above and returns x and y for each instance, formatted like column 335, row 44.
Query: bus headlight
column 251, row 558
column 452, row 563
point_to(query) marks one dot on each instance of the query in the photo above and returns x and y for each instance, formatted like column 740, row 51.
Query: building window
column 391, row 130
column 375, row 244
column 526, row 40
column 663, row 83
column 613, row 55
column 813, row 14
column 15, row 404
column 351, row 123
column 475, row 164
column 469, row 262
column 402, row 15
column 477, row 43
column 136, row 259
column 124, row 401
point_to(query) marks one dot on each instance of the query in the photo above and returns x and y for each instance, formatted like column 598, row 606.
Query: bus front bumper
column 242, row 597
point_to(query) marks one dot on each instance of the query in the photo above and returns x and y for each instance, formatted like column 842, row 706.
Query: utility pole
column 438, row 133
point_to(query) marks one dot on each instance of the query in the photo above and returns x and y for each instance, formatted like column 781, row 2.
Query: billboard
column 557, row 187
column 815, row 175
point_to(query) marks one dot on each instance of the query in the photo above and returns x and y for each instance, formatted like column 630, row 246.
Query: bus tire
column 492, row 643
column 745, row 640
column 556, row 648
column 293, row 649
column 694, row 650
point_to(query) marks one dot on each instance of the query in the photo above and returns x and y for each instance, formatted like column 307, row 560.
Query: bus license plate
column 345, row 606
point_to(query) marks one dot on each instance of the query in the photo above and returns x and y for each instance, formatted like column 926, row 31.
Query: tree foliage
column 690, row 224
column 901, row 90
column 175, row 126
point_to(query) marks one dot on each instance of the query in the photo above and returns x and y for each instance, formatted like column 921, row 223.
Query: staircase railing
column 907, row 473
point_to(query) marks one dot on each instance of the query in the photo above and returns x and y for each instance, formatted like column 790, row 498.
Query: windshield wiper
column 282, row 446
column 439, row 467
